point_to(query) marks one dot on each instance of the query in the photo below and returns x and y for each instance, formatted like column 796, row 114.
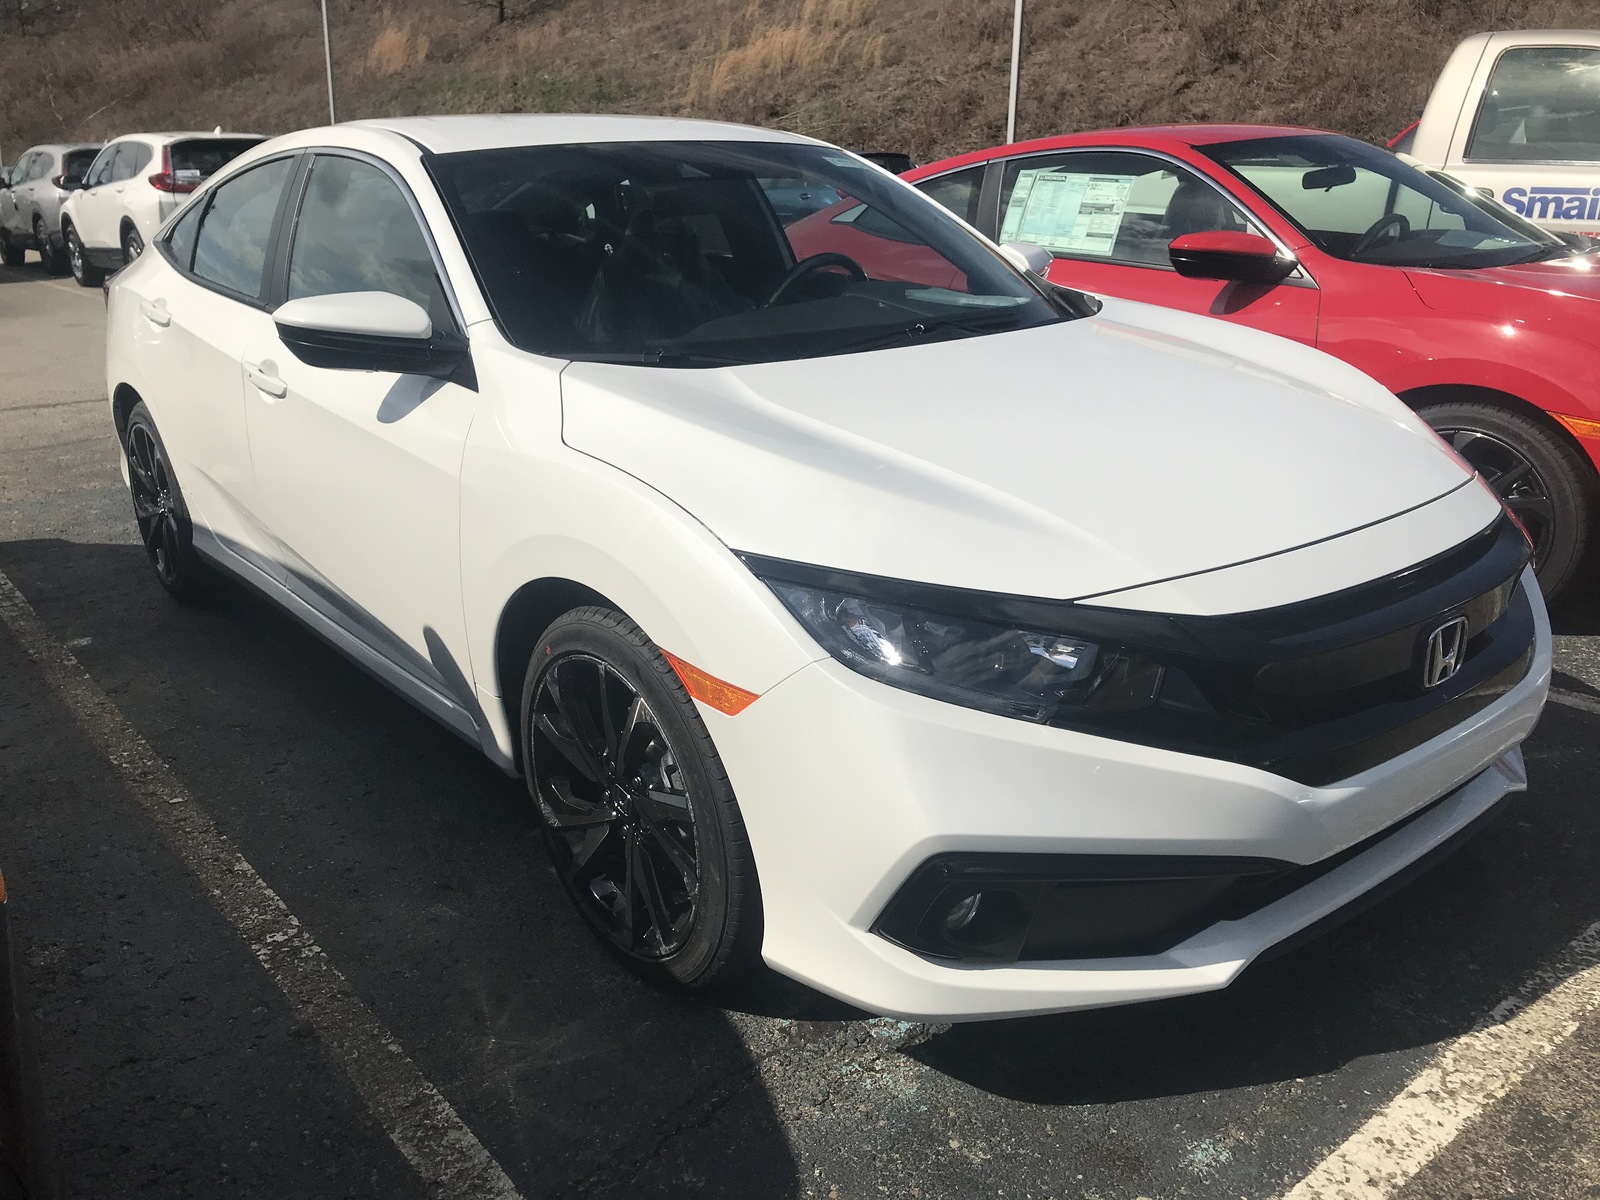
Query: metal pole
column 327, row 53
column 1016, row 73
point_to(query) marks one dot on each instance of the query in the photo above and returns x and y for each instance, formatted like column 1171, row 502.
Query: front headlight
column 1030, row 674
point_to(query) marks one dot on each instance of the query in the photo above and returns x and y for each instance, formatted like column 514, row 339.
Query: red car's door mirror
column 1226, row 254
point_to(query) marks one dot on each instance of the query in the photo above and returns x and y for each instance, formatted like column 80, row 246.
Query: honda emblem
column 1447, row 647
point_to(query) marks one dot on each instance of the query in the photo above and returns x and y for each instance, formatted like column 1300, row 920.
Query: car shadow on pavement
column 420, row 870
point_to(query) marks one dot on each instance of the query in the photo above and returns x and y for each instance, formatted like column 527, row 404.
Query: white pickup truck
column 1517, row 115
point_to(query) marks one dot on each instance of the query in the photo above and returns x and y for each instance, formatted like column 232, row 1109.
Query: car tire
column 639, row 817
column 1546, row 483
column 52, row 256
column 12, row 252
column 132, row 244
column 159, row 509
column 83, row 273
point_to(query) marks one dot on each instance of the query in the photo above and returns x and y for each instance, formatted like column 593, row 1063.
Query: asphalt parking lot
column 1446, row 1043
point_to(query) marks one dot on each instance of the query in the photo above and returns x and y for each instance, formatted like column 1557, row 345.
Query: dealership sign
column 1555, row 203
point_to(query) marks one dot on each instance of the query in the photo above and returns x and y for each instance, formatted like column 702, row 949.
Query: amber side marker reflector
column 1579, row 426
column 2, row 889
column 708, row 689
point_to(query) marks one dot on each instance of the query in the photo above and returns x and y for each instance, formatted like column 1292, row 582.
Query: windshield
column 1363, row 204
column 709, row 253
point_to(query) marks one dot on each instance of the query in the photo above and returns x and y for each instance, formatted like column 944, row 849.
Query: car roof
column 61, row 147
column 182, row 135
column 1537, row 37
column 1153, row 137
column 496, row 131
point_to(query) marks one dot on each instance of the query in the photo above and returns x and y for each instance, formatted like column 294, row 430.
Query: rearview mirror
column 1026, row 256
column 1225, row 254
column 368, row 331
column 1326, row 178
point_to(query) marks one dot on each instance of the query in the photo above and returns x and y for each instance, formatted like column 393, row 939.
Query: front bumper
column 847, row 786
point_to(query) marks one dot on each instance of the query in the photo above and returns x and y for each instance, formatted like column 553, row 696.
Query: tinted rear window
column 197, row 160
column 76, row 162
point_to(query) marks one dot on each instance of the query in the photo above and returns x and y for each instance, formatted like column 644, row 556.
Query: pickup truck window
column 1542, row 104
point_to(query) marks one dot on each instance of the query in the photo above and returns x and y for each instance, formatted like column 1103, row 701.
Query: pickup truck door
column 1529, row 133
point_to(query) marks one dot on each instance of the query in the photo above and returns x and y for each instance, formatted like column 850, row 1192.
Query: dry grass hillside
column 927, row 76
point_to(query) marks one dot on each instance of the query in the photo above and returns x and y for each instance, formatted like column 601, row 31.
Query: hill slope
column 927, row 76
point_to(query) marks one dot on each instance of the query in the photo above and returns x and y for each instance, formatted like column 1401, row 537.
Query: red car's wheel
column 1543, row 481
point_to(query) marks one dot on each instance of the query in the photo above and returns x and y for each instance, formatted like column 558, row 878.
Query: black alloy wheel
column 641, row 824
column 158, row 506
column 1539, row 477
column 83, row 274
column 132, row 245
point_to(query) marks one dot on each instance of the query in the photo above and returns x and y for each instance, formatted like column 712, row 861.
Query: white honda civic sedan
column 957, row 644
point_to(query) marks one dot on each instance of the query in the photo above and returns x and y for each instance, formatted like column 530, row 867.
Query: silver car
column 30, row 202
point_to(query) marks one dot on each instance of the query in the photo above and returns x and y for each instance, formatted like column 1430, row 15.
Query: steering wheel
column 810, row 266
column 1369, row 239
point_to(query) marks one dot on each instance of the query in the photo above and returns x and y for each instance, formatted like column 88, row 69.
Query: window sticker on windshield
column 1078, row 214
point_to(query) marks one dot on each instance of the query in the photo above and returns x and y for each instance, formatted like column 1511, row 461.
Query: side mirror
column 1224, row 254
column 368, row 331
column 1026, row 256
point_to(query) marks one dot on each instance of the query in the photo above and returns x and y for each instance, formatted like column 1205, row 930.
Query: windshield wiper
column 919, row 329
column 1546, row 253
column 663, row 357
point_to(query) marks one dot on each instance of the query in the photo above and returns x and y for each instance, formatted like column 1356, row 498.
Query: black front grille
column 1323, row 690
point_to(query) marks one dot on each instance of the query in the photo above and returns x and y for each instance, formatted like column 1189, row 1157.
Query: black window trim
column 278, row 260
column 204, row 199
column 1483, row 98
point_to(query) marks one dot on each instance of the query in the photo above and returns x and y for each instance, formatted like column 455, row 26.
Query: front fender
column 533, row 509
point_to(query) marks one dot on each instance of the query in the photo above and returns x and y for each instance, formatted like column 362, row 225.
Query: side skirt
column 434, row 703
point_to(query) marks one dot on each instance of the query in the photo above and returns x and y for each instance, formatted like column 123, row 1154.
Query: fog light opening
column 987, row 917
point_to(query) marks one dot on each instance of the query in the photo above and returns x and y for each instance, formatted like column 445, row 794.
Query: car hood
column 1517, row 292
column 1067, row 460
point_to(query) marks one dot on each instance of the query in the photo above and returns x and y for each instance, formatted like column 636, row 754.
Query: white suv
column 135, row 184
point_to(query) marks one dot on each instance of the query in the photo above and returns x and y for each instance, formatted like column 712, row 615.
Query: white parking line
column 420, row 1122
column 1464, row 1078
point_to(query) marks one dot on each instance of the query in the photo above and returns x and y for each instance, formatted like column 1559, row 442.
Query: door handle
column 264, row 377
column 156, row 313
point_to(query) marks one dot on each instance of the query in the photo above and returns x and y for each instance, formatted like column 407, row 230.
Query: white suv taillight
column 165, row 180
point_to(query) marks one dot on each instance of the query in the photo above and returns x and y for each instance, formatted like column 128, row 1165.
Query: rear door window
column 180, row 242
column 132, row 157
column 1542, row 104
column 198, row 160
column 231, row 245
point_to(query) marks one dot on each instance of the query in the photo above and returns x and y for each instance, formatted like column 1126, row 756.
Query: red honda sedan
column 1479, row 320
